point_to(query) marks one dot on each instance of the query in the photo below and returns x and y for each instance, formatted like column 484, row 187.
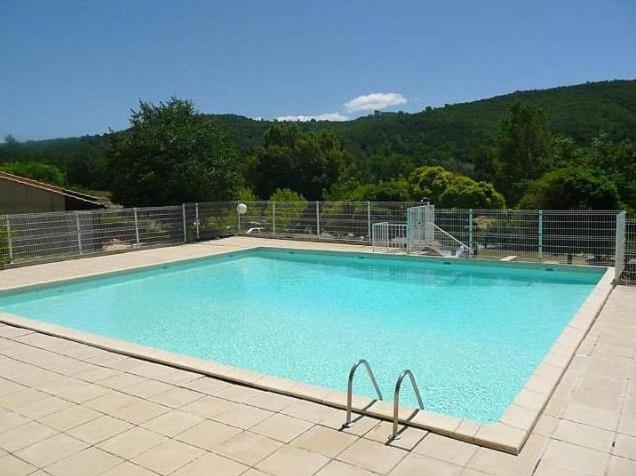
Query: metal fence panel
column 572, row 236
column 628, row 276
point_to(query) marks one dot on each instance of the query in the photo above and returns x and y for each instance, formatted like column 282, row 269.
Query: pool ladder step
column 396, row 393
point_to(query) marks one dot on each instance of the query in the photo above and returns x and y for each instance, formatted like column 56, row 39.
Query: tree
column 289, row 211
column 450, row 190
column 389, row 165
column 307, row 163
column 617, row 160
column 391, row 191
column 464, row 192
column 522, row 146
column 35, row 170
column 171, row 155
column 572, row 188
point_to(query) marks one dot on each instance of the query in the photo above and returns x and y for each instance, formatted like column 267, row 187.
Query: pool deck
column 70, row 408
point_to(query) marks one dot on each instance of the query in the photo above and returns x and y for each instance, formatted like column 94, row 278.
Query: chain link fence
column 549, row 236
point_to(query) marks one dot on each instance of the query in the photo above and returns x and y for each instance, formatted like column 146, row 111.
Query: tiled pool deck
column 70, row 408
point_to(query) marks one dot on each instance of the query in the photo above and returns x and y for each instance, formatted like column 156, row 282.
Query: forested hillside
column 570, row 126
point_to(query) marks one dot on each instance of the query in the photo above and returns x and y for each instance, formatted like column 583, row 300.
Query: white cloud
column 329, row 116
column 371, row 102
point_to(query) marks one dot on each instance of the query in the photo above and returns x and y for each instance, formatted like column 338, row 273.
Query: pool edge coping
column 509, row 434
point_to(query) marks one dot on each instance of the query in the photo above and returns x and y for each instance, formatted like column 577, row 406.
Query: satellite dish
column 241, row 208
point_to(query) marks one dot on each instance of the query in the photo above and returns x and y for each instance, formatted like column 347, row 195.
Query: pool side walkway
column 67, row 408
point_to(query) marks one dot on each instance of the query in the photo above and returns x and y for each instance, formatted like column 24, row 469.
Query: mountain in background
column 453, row 135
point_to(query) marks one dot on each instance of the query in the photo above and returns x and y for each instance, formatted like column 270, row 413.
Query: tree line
column 172, row 154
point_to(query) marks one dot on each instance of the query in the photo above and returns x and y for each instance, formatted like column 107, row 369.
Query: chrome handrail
column 350, row 387
column 396, row 398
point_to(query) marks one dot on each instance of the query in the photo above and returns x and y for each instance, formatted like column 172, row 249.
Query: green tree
column 170, row 155
column 523, row 145
column 391, row 191
column 572, row 188
column 289, row 208
column 246, row 195
column 464, row 192
column 389, row 165
column 617, row 160
column 307, row 163
column 35, row 170
column 450, row 190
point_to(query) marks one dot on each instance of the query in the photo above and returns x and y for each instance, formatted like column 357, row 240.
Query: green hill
column 451, row 135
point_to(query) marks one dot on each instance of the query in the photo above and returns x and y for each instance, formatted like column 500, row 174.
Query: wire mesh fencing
column 628, row 275
column 37, row 237
column 331, row 221
column 550, row 236
column 583, row 237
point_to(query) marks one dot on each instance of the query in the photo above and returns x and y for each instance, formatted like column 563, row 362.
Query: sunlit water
column 471, row 333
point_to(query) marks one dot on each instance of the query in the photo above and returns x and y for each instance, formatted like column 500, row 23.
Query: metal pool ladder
column 396, row 398
column 350, row 387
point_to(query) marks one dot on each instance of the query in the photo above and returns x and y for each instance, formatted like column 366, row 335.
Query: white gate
column 420, row 227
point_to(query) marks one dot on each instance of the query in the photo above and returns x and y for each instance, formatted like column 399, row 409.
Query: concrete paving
column 72, row 409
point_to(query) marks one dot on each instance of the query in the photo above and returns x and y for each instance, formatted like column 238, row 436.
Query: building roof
column 65, row 192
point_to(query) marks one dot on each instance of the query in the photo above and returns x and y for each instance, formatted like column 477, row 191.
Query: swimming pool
column 472, row 333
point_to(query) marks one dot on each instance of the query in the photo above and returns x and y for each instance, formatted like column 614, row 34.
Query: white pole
column 470, row 232
column 318, row 218
column 368, row 219
column 10, row 244
column 274, row 218
column 136, row 226
column 238, row 220
column 79, row 232
column 196, row 217
column 183, row 212
column 540, row 235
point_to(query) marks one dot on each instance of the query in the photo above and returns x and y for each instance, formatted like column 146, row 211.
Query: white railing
column 387, row 237
column 575, row 237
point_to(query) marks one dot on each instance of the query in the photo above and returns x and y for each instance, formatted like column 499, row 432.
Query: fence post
column 9, row 242
column 273, row 218
column 196, row 217
column 620, row 242
column 79, row 232
column 136, row 226
column 238, row 220
column 540, row 235
column 470, row 232
column 317, row 218
column 373, row 238
column 368, row 219
column 183, row 213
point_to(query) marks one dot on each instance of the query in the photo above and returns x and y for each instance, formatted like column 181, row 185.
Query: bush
column 35, row 170
column 572, row 188
column 449, row 190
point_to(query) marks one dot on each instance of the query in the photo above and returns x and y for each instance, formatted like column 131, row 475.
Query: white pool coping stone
column 508, row 434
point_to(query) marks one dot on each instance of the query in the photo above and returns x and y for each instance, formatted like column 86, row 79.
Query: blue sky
column 71, row 67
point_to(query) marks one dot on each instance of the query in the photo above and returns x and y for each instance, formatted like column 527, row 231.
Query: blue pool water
column 471, row 333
